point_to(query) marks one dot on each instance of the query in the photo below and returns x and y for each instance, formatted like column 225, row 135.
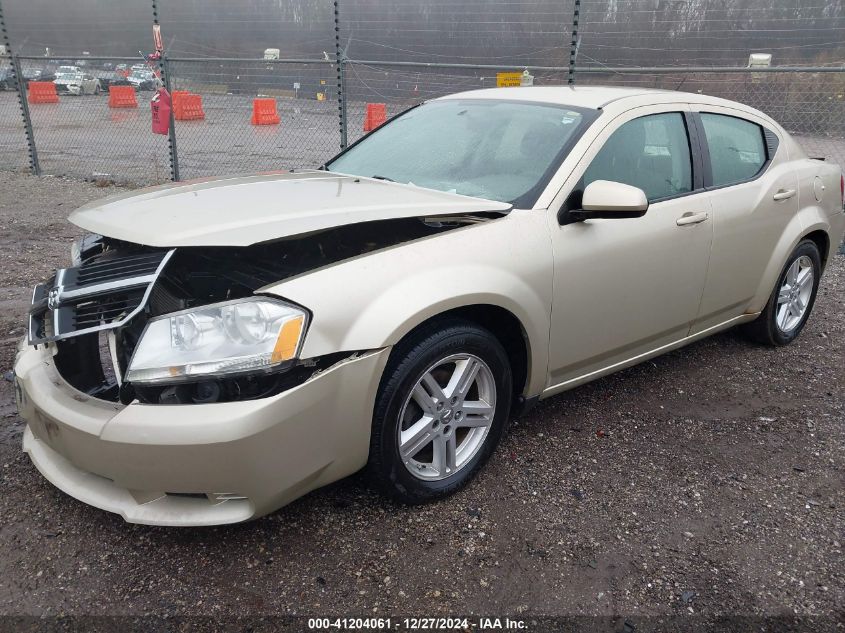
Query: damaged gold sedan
column 219, row 348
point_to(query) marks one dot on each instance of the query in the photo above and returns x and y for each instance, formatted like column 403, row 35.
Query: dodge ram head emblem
column 53, row 299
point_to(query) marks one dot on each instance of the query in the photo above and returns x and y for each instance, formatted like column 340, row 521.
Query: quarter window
column 737, row 148
column 651, row 152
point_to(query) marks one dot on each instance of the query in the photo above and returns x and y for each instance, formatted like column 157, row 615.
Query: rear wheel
column 791, row 301
column 442, row 408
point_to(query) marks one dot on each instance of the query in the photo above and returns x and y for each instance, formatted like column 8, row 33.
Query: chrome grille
column 102, row 293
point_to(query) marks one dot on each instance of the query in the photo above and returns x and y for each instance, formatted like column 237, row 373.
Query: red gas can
column 160, row 106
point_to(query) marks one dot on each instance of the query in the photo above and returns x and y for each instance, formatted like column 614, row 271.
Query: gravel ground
column 708, row 481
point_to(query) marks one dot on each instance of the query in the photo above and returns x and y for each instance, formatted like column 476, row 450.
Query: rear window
column 737, row 148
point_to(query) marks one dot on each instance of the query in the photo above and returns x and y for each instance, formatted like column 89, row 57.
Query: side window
column 737, row 148
column 651, row 152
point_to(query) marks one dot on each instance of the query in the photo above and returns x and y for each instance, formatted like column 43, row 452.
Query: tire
column 440, row 350
column 771, row 327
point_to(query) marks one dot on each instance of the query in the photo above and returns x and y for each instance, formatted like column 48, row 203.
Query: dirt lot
column 708, row 482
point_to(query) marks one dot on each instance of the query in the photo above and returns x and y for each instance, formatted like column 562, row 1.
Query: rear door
column 753, row 191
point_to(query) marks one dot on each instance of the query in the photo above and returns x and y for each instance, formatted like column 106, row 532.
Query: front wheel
column 792, row 299
column 442, row 407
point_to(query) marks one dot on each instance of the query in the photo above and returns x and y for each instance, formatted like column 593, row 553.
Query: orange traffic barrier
column 42, row 92
column 264, row 112
column 376, row 115
column 187, row 106
column 122, row 97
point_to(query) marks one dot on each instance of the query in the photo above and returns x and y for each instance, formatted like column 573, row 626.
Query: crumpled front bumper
column 201, row 464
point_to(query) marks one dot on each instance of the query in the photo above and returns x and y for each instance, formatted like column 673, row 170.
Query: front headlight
column 240, row 336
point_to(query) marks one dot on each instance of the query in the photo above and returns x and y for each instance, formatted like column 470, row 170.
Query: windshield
column 498, row 150
column 69, row 76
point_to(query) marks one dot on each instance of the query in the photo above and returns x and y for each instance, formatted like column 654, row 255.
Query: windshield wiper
column 382, row 178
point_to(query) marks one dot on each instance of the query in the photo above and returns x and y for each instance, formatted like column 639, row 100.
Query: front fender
column 372, row 301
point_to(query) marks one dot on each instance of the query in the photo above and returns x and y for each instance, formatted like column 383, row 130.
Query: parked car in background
column 112, row 79
column 37, row 74
column 107, row 66
column 7, row 82
column 142, row 79
column 76, row 83
column 217, row 349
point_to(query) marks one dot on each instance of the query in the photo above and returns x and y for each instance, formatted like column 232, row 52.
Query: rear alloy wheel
column 792, row 300
column 441, row 410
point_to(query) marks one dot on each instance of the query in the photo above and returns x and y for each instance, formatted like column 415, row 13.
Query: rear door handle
column 784, row 194
column 691, row 218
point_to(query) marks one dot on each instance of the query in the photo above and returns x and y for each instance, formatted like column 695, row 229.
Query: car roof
column 580, row 96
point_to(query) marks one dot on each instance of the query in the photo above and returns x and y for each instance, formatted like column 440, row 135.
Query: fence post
column 17, row 80
column 573, row 45
column 171, row 134
column 164, row 70
column 34, row 165
column 340, row 61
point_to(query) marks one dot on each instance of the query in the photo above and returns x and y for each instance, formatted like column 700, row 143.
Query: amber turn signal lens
column 288, row 340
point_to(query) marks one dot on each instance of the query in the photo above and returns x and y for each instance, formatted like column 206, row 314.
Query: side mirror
column 608, row 199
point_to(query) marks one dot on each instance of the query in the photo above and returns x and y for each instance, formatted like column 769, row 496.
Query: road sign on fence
column 508, row 80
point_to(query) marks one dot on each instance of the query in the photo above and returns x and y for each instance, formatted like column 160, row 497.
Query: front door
column 625, row 287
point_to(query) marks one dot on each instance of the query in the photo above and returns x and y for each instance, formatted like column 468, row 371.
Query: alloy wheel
column 446, row 417
column 794, row 295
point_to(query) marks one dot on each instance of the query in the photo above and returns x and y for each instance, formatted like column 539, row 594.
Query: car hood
column 241, row 211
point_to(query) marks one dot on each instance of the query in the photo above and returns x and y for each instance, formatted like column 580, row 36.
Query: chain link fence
column 14, row 153
column 357, row 52
column 226, row 140
column 82, row 136
column 809, row 103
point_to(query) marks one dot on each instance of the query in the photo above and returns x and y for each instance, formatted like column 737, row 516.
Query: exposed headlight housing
column 235, row 337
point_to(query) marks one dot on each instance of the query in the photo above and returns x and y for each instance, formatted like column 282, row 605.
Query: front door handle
column 691, row 218
column 784, row 194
